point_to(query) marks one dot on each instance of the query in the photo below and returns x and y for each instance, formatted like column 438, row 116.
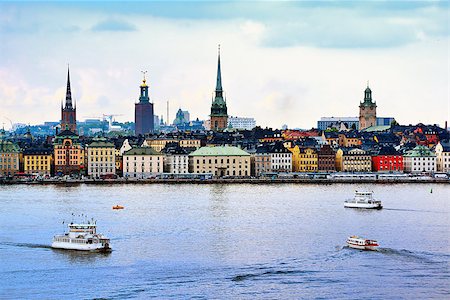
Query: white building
column 280, row 158
column 418, row 160
column 241, row 123
column 101, row 158
column 142, row 162
column 443, row 157
column 176, row 159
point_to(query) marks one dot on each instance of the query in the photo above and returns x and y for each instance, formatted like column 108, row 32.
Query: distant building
column 328, row 122
column 326, row 159
column 143, row 112
column 367, row 111
column 37, row 161
column 443, row 157
column 304, row 159
column 176, row 159
column 68, row 153
column 353, row 160
column 387, row 159
column 142, row 162
column 68, row 112
column 219, row 115
column 9, row 158
column 418, row 160
column 220, row 161
column 241, row 123
column 101, row 158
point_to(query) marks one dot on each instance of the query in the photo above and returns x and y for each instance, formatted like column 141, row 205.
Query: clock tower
column 367, row 110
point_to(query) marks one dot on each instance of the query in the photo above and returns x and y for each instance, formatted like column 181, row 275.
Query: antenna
column 167, row 119
column 143, row 73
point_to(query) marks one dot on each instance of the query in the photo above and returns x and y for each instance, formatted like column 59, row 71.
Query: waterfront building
column 143, row 112
column 220, row 161
column 418, row 160
column 326, row 159
column 38, row 161
column 387, row 159
column 353, row 160
column 176, row 159
column 443, row 157
column 101, row 158
column 280, row 158
column 10, row 156
column 304, row 159
column 68, row 111
column 241, row 123
column 367, row 111
column 68, row 154
column 142, row 162
column 219, row 115
column 261, row 161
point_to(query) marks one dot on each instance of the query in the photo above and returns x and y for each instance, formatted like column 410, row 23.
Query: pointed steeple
column 368, row 94
column 219, row 78
column 68, row 92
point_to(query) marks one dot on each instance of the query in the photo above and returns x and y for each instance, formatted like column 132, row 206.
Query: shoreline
column 225, row 181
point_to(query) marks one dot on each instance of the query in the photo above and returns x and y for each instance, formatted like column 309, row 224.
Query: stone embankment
column 228, row 181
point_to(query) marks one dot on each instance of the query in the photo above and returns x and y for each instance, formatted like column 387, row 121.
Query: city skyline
column 278, row 65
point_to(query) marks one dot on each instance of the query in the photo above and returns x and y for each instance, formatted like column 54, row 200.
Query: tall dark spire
column 68, row 92
column 219, row 78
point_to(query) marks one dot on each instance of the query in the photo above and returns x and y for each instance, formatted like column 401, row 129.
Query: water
column 227, row 242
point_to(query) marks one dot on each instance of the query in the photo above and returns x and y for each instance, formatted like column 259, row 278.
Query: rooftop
column 220, row 151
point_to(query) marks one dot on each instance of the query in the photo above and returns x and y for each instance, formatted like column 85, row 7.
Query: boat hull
column 363, row 205
column 81, row 247
column 362, row 247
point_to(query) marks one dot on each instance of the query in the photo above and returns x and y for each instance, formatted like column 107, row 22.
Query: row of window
column 8, row 160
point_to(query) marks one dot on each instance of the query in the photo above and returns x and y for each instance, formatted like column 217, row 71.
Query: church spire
column 68, row 92
column 219, row 77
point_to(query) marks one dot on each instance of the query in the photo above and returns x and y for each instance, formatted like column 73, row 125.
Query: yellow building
column 9, row 158
column 68, row 154
column 101, row 158
column 159, row 144
column 38, row 161
column 353, row 160
column 304, row 159
column 220, row 161
column 348, row 139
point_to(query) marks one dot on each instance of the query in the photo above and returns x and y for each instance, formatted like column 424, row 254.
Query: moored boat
column 363, row 200
column 82, row 237
column 361, row 243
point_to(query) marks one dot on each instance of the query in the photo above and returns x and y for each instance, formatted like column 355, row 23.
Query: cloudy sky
column 282, row 62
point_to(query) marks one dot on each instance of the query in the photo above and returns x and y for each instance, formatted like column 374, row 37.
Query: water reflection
column 73, row 256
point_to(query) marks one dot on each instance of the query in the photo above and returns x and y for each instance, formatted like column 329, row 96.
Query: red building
column 387, row 159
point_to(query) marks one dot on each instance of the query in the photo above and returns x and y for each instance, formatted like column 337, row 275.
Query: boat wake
column 406, row 255
column 27, row 245
column 417, row 210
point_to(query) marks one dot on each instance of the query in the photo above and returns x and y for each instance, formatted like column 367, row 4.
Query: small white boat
column 363, row 200
column 361, row 243
column 82, row 237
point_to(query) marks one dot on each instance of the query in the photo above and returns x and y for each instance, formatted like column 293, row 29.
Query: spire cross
column 367, row 83
column 219, row 49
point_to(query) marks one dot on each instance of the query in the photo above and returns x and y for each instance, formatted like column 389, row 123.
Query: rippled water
column 227, row 242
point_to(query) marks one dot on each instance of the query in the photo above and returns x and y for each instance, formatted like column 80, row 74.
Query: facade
column 241, row 123
column 68, row 154
column 9, row 158
column 353, row 160
column 142, row 162
column 367, row 111
column 326, row 159
column 160, row 143
column 304, row 159
column 328, row 122
column 386, row 160
column 68, row 112
column 261, row 162
column 219, row 115
column 280, row 158
column 349, row 139
column 176, row 159
column 220, row 161
column 419, row 160
column 143, row 112
column 443, row 157
column 38, row 161
column 101, row 158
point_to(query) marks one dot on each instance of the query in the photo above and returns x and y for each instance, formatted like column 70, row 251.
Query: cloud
column 114, row 25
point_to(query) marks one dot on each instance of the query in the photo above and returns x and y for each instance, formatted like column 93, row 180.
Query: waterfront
column 227, row 241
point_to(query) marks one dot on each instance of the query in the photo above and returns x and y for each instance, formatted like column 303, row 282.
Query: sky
column 282, row 62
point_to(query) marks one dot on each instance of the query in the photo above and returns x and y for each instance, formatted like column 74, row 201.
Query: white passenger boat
column 361, row 243
column 363, row 200
column 83, row 237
